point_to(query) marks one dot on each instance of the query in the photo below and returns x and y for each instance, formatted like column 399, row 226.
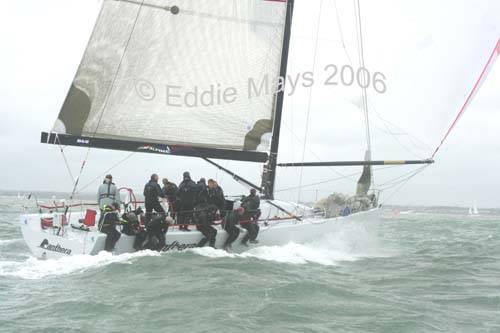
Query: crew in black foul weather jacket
column 216, row 196
column 152, row 193
column 230, row 224
column 170, row 192
column 204, row 217
column 202, row 195
column 187, row 193
column 108, row 226
column 251, row 204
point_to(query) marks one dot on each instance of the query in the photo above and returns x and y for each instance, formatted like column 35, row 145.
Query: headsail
column 186, row 73
column 365, row 179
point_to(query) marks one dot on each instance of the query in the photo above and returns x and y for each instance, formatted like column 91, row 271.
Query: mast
column 269, row 171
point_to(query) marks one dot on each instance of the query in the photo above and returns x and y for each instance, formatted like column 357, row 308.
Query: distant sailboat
column 473, row 210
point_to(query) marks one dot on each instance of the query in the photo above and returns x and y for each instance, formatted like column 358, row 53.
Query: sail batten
column 202, row 75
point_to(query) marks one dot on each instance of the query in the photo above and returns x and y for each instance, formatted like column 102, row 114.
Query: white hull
column 45, row 243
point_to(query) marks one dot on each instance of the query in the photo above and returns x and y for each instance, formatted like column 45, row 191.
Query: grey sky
column 43, row 41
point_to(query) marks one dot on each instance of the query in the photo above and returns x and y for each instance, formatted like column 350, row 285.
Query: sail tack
column 191, row 73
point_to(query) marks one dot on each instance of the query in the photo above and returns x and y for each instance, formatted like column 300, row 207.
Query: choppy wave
column 345, row 245
column 10, row 241
column 438, row 271
column 33, row 268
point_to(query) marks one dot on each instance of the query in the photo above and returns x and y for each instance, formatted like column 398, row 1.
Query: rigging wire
column 332, row 179
column 61, row 148
column 404, row 183
column 107, row 171
column 316, row 155
column 413, row 139
column 372, row 108
column 359, row 32
column 291, row 99
column 361, row 58
column 107, row 99
column 340, row 31
column 310, row 95
column 393, row 182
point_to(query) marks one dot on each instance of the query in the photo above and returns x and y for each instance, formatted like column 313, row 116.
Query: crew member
column 130, row 222
column 107, row 192
column 202, row 195
column 108, row 225
column 203, row 217
column 251, row 204
column 156, row 231
column 186, row 197
column 216, row 196
column 231, row 221
column 106, row 195
column 152, row 191
column 170, row 191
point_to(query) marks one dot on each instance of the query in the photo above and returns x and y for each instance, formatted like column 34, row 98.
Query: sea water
column 423, row 271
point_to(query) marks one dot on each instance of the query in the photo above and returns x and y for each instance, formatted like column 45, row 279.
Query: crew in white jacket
column 107, row 193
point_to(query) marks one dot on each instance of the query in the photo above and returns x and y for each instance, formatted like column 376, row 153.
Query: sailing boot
column 203, row 241
column 212, row 243
column 245, row 239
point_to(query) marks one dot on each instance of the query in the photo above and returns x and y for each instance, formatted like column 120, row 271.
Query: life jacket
column 108, row 194
column 109, row 217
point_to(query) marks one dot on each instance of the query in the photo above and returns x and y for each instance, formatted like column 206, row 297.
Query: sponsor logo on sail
column 54, row 248
column 178, row 246
column 166, row 150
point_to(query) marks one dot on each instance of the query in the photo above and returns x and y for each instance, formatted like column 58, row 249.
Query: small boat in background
column 473, row 210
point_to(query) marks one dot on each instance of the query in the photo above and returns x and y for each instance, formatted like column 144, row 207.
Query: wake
column 34, row 268
column 350, row 243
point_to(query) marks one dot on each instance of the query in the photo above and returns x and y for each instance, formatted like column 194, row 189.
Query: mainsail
column 188, row 77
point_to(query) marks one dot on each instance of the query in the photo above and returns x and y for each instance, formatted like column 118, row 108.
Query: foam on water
column 347, row 244
column 33, row 268
column 10, row 241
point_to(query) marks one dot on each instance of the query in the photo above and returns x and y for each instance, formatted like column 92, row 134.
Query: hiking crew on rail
column 190, row 203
